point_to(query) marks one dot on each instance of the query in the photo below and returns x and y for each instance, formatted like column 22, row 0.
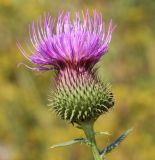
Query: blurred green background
column 27, row 126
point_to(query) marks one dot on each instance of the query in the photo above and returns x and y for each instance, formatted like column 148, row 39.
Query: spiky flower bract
column 80, row 96
column 72, row 48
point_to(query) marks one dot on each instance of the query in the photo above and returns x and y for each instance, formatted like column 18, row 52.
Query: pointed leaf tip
column 113, row 145
column 71, row 142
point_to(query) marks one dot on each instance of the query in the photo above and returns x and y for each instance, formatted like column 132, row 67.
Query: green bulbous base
column 80, row 96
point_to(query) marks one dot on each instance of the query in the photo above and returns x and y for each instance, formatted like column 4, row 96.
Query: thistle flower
column 72, row 48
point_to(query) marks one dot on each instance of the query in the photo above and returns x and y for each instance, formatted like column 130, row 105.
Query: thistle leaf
column 68, row 143
column 113, row 145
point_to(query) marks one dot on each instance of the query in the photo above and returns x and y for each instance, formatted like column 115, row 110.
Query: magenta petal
column 79, row 42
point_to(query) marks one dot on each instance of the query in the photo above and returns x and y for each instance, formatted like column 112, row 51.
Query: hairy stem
column 90, row 134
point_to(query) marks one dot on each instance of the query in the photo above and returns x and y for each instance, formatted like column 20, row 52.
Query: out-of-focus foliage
column 28, row 128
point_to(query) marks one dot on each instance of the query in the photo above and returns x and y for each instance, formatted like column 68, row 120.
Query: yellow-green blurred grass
column 27, row 126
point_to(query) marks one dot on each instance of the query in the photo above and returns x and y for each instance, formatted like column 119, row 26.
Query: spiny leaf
column 113, row 145
column 74, row 141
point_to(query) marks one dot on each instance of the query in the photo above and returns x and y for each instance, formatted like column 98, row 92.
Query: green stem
column 90, row 134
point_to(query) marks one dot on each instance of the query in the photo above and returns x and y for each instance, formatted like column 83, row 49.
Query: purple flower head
column 78, row 43
column 72, row 47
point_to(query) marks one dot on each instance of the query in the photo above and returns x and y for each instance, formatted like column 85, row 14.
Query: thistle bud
column 80, row 97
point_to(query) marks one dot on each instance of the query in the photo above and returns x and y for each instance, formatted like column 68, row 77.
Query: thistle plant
column 72, row 47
